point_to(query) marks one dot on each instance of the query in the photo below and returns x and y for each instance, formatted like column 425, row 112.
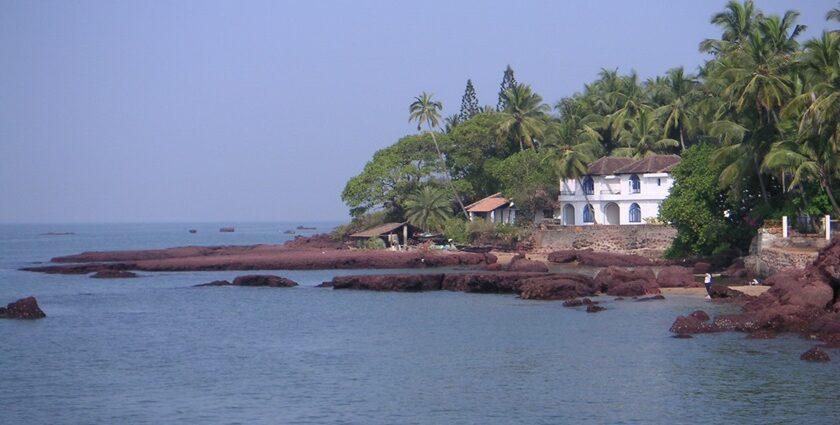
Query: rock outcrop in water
column 803, row 301
column 257, row 257
column 264, row 280
column 533, row 286
column 676, row 277
column 623, row 282
column 113, row 274
column 25, row 308
column 589, row 257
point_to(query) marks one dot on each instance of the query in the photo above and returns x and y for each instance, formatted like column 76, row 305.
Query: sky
column 207, row 111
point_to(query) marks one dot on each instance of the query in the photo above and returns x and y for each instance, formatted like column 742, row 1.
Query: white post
column 784, row 227
column 828, row 227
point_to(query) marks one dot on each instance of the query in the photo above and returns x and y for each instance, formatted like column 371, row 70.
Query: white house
column 616, row 191
column 493, row 208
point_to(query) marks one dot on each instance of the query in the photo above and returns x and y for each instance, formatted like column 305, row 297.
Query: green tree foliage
column 424, row 110
column 471, row 146
column 428, row 208
column 508, row 81
column 392, row 174
column 524, row 116
column 529, row 179
column 707, row 221
column 469, row 103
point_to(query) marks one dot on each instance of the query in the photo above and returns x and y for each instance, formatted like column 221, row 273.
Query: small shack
column 392, row 233
column 494, row 208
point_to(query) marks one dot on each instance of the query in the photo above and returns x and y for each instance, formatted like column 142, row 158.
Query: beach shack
column 393, row 234
column 494, row 208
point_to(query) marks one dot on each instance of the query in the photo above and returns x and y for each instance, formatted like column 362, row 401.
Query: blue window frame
column 635, row 184
column 588, row 186
column 635, row 213
column 588, row 214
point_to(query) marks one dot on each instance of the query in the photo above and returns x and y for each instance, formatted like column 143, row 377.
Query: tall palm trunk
column 682, row 139
column 825, row 182
column 761, row 182
column 449, row 176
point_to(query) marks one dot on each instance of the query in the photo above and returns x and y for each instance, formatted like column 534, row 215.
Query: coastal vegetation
column 757, row 125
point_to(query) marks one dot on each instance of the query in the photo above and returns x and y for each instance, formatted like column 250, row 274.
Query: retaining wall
column 645, row 239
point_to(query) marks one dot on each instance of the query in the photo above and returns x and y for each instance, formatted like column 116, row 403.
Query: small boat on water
column 193, row 231
column 289, row 232
column 226, row 229
column 305, row 228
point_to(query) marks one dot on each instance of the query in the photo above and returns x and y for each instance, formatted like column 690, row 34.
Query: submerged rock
column 113, row 274
column 594, row 308
column 815, row 354
column 25, row 308
column 692, row 325
column 682, row 336
column 214, row 283
column 653, row 298
column 264, row 280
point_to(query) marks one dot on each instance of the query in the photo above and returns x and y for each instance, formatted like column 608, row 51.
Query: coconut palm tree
column 833, row 15
column 426, row 111
column 523, row 116
column 428, row 208
column 680, row 94
column 815, row 154
column 643, row 136
column 737, row 22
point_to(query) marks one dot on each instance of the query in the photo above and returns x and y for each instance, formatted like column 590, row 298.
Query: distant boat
column 193, row 231
column 305, row 228
column 289, row 232
column 226, row 229
column 57, row 234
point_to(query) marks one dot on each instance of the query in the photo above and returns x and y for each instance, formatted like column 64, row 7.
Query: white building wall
column 654, row 188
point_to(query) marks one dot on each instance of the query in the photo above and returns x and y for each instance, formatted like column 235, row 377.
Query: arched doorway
column 612, row 214
column 569, row 215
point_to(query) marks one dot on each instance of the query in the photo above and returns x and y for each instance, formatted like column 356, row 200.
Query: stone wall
column 770, row 253
column 645, row 239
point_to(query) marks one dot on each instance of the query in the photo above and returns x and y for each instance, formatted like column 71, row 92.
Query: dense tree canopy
column 760, row 120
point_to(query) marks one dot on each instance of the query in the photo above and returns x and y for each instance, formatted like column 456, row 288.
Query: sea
column 156, row 350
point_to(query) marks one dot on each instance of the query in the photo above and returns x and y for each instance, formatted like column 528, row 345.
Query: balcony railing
column 611, row 192
column 567, row 192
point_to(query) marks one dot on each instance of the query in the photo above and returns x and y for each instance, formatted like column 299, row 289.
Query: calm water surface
column 154, row 350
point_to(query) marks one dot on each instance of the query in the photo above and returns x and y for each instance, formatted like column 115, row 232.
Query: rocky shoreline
column 256, row 257
column 801, row 301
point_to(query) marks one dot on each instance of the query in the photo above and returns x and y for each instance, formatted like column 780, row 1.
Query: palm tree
column 815, row 154
column 428, row 208
column 642, row 137
column 833, row 15
column 426, row 111
column 737, row 22
column 523, row 116
column 680, row 93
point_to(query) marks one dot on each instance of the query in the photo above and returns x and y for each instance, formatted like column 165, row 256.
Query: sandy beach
column 754, row 290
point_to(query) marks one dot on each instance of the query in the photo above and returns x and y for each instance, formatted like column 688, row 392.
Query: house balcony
column 611, row 192
column 567, row 193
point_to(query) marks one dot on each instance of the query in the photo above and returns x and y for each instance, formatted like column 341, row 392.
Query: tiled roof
column 651, row 164
column 610, row 165
column 380, row 230
column 488, row 204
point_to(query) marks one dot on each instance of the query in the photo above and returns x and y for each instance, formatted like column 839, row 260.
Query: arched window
column 635, row 213
column 588, row 186
column 635, row 184
column 588, row 214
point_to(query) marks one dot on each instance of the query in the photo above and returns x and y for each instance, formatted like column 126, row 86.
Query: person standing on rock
column 707, row 280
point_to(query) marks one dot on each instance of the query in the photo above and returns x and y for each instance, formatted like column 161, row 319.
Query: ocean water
column 154, row 350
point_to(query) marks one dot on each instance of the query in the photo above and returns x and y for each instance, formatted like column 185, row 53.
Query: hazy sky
column 122, row 111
